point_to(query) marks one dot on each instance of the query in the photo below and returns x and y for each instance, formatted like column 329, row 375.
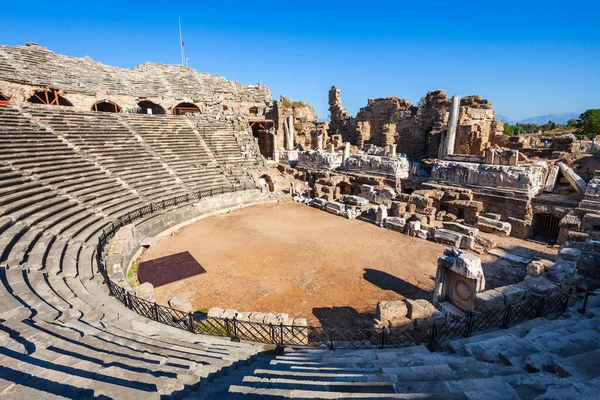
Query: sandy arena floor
column 290, row 258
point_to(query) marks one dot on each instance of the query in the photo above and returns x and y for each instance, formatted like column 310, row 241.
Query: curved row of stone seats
column 104, row 139
column 539, row 359
column 53, row 343
column 50, row 194
column 220, row 138
column 184, row 150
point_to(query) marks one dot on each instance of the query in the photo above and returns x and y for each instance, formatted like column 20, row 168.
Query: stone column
column 447, row 144
column 346, row 152
column 331, row 148
column 392, row 151
column 290, row 138
column 320, row 142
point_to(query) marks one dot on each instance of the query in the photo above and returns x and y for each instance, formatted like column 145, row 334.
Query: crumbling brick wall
column 341, row 122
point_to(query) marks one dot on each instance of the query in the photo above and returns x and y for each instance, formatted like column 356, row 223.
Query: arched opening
column 3, row 99
column 266, row 180
column 253, row 110
column 261, row 131
column 148, row 107
column 185, row 108
column 545, row 226
column 49, row 97
column 345, row 188
column 106, row 106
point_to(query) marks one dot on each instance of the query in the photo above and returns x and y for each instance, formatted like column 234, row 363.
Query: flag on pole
column 182, row 42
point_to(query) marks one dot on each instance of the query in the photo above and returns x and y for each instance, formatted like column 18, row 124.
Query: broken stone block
column 535, row 268
column 440, row 215
column 437, row 318
column 334, row 207
column 562, row 271
column 494, row 216
column 412, row 227
column 356, row 201
column 145, row 291
column 422, row 234
column 460, row 228
column 398, row 207
column 513, row 294
column 384, row 196
column 381, row 215
column 300, row 322
column 419, row 309
column 389, row 312
column 181, row 304
column 489, row 300
column 257, row 317
column 448, row 237
column 395, row 223
column 271, row 318
column 318, row 203
column 467, row 242
column 540, row 285
column 215, row 312
column 493, row 226
column 570, row 254
column 485, row 242
column 449, row 217
column 243, row 316
column 229, row 313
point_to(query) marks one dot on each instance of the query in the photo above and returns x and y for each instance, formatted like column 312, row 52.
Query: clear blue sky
column 529, row 58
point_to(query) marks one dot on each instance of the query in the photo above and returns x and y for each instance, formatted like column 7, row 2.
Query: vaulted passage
column 262, row 131
column 3, row 99
column 546, row 226
column 106, row 106
column 185, row 108
column 49, row 97
column 148, row 107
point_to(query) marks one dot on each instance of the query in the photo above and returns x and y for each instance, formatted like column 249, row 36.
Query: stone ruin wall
column 306, row 125
column 341, row 122
column 83, row 82
column 417, row 131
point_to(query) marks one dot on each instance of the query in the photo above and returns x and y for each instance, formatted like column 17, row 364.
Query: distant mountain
column 504, row 119
column 557, row 118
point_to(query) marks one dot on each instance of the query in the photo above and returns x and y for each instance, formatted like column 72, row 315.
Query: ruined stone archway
column 49, row 97
column 3, row 99
column 148, row 107
column 345, row 188
column 545, row 226
column 262, row 132
column 107, row 106
column 185, row 108
column 266, row 180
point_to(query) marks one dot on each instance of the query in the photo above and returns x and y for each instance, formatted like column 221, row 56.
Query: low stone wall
column 528, row 179
column 396, row 167
column 128, row 239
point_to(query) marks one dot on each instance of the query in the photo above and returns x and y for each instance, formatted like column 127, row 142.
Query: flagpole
column 181, row 42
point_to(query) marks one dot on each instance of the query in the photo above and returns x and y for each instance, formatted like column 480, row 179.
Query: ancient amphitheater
column 99, row 163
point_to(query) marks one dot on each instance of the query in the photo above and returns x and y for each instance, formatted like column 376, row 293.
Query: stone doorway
column 545, row 226
column 263, row 134
column 185, row 108
column 49, row 97
column 148, row 107
column 106, row 106
column 266, row 180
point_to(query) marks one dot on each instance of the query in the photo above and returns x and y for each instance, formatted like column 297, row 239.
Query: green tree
column 589, row 123
column 508, row 130
column 572, row 123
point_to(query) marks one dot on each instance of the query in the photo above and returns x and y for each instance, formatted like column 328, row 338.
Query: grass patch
column 132, row 275
column 203, row 310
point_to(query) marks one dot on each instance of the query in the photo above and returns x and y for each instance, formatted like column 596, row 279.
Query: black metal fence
column 333, row 338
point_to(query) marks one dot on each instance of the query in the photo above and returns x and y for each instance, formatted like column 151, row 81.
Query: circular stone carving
column 463, row 290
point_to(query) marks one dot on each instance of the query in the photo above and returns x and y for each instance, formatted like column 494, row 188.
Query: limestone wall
column 27, row 69
column 417, row 131
column 528, row 179
column 341, row 122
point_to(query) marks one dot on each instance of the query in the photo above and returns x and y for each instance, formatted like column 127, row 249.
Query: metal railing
column 332, row 338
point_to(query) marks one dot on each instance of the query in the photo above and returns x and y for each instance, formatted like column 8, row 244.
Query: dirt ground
column 287, row 257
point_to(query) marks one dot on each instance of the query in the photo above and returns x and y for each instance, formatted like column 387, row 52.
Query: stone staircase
column 539, row 359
